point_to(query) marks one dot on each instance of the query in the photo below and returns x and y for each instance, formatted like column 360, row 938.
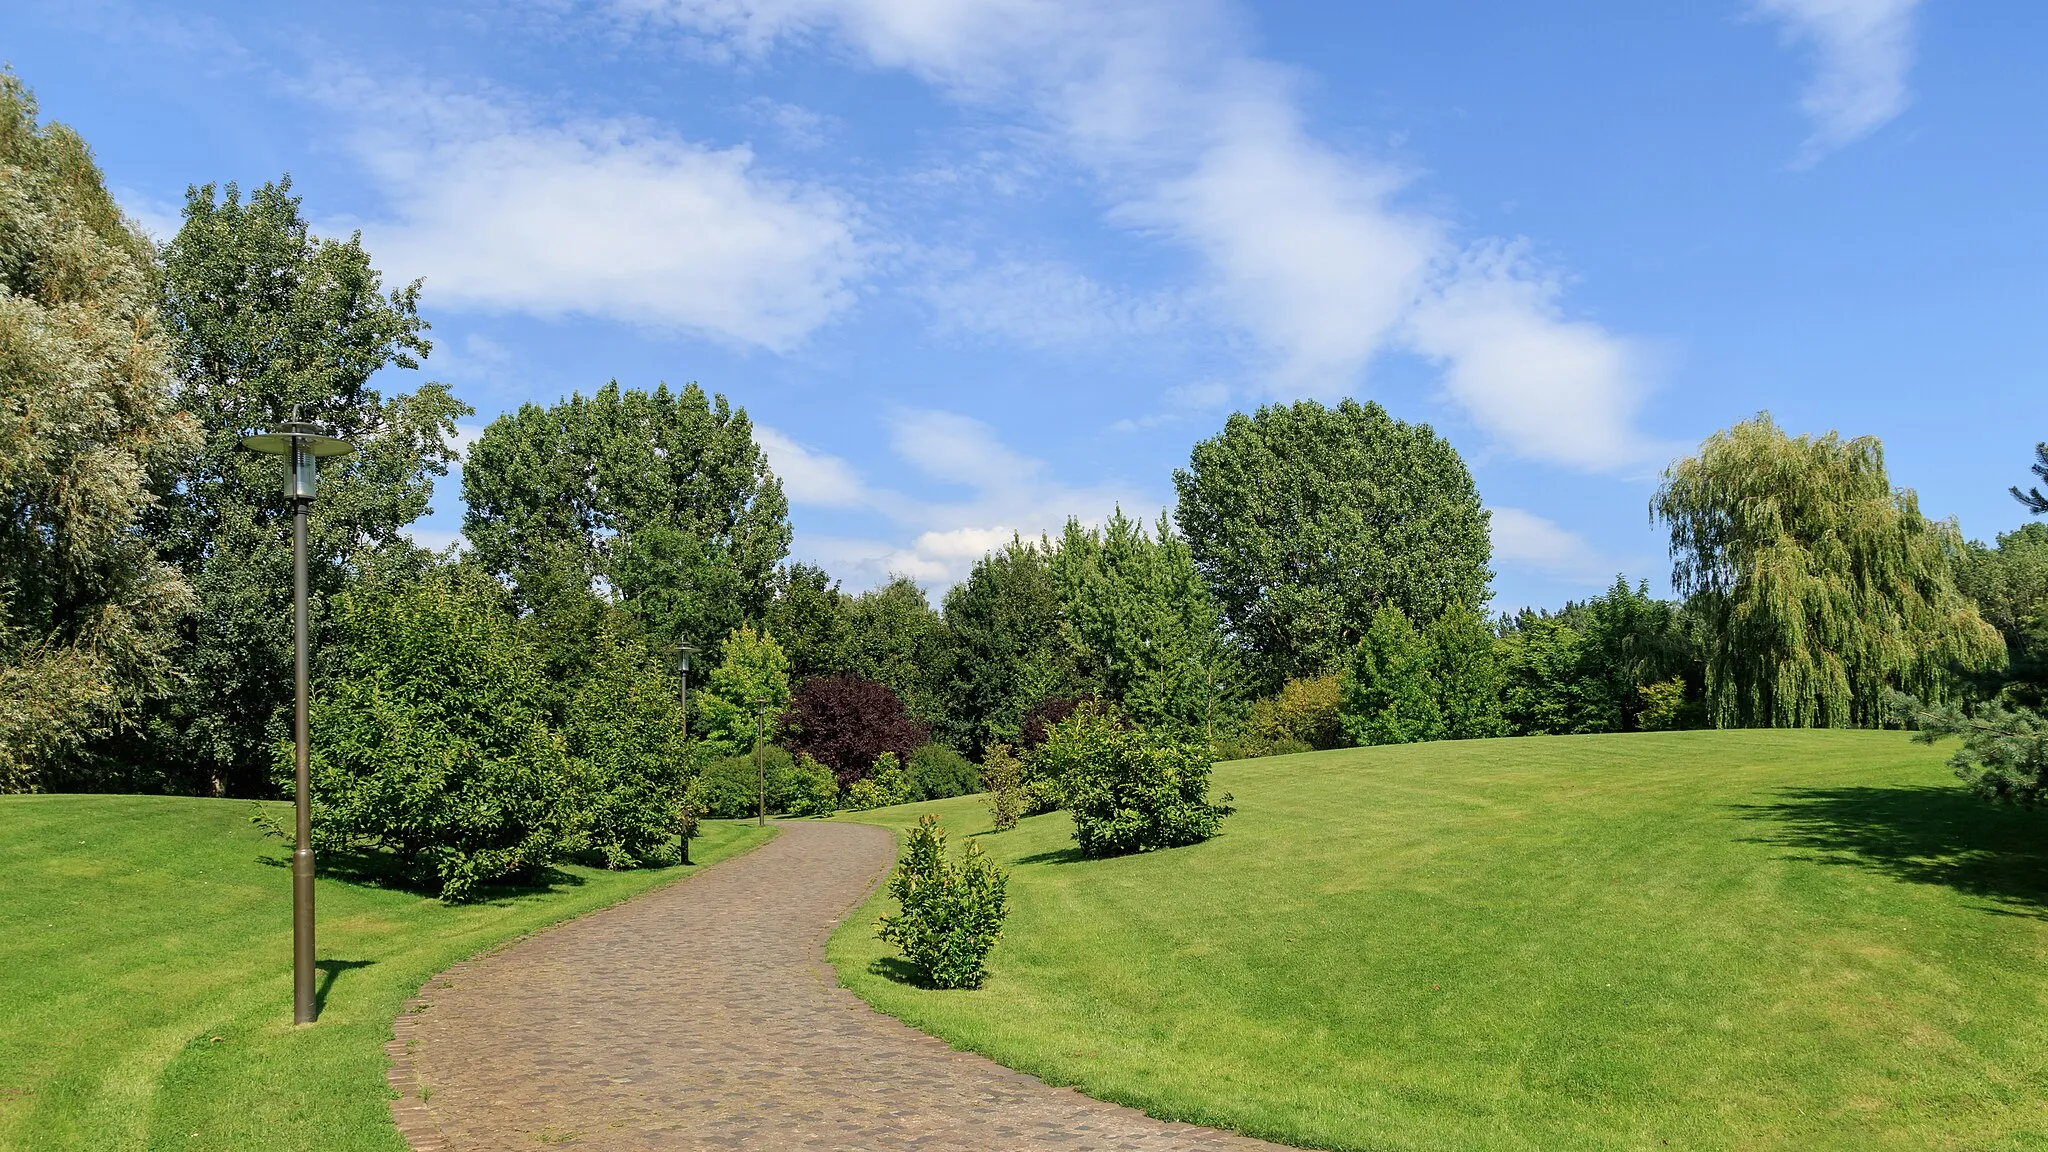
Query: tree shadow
column 1067, row 855
column 1922, row 834
column 898, row 970
column 379, row 869
column 329, row 969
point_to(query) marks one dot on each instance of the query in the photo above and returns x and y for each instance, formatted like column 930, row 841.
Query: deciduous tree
column 1306, row 520
column 1819, row 585
column 86, row 419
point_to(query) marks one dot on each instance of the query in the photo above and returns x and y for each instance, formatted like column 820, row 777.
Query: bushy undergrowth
column 1129, row 789
column 432, row 743
column 1004, row 775
column 951, row 914
column 937, row 772
column 885, row 784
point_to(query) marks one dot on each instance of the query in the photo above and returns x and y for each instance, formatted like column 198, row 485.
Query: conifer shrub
column 951, row 914
column 1005, row 777
column 1129, row 789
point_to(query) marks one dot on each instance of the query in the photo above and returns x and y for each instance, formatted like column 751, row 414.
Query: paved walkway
column 703, row 1015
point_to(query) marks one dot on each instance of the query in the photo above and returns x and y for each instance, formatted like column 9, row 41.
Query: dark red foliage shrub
column 1040, row 717
column 846, row 722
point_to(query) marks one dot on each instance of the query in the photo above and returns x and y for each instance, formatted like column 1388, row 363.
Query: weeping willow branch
column 1821, row 586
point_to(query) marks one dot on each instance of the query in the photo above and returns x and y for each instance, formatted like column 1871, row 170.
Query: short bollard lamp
column 302, row 445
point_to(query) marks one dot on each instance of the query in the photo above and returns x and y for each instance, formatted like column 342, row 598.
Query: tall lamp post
column 302, row 445
column 760, row 770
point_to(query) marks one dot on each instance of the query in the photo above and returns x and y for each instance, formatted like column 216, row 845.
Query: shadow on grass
column 1926, row 835
column 1067, row 855
column 329, row 970
column 383, row 870
column 898, row 970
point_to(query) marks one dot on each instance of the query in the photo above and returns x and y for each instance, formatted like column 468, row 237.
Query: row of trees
column 1323, row 577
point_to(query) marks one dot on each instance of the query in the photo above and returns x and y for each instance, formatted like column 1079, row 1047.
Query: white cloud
column 1562, row 390
column 1006, row 494
column 465, row 435
column 1863, row 50
column 1045, row 304
column 1523, row 537
column 1309, row 251
column 808, row 476
column 501, row 210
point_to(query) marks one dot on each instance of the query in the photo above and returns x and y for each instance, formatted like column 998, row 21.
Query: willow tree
column 86, row 418
column 1820, row 585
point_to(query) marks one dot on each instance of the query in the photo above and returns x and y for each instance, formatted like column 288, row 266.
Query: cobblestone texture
column 703, row 1015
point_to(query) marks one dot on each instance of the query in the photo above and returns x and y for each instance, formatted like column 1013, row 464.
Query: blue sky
column 975, row 266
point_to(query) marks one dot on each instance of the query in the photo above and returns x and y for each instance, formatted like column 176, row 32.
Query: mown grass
column 145, row 976
column 1756, row 940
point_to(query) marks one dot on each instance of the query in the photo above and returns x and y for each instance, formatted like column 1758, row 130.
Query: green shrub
column 952, row 914
column 624, row 728
column 1663, row 705
column 431, row 742
column 805, row 788
column 1004, row 775
column 937, row 772
column 886, row 785
column 1390, row 693
column 732, row 785
column 1301, row 716
column 1130, row 790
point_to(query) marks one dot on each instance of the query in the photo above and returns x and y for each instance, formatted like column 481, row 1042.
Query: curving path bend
column 703, row 1015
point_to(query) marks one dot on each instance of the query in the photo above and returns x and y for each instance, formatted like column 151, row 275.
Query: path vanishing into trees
column 703, row 1015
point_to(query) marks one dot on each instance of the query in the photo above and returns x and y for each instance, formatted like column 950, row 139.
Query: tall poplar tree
column 266, row 321
column 661, row 498
column 86, row 417
column 1820, row 586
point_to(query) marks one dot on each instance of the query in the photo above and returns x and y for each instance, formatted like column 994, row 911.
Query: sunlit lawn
column 145, row 977
column 1802, row 940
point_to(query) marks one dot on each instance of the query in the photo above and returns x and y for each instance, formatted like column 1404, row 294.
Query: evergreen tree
column 87, row 611
column 1139, row 619
column 1005, row 619
column 1390, row 695
column 1820, row 587
column 2032, row 497
column 1305, row 520
column 268, row 320
column 1466, row 676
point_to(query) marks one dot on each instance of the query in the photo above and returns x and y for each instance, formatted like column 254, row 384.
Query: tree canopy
column 663, row 496
column 267, row 320
column 86, row 420
column 1305, row 520
column 1819, row 585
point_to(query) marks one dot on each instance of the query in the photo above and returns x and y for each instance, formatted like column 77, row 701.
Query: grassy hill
column 145, row 977
column 1758, row 940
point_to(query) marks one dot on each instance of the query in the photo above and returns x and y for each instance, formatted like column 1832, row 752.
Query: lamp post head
column 683, row 654
column 303, row 445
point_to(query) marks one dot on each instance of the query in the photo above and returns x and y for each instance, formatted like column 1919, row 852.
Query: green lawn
column 145, row 977
column 1758, row 940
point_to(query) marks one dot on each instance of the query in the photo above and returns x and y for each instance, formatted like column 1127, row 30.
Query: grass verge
column 1757, row 940
column 145, row 976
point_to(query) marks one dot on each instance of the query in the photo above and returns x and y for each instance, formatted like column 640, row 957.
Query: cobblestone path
column 703, row 1015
